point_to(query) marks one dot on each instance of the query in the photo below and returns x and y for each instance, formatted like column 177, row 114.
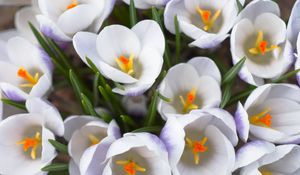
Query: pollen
column 197, row 147
column 73, row 4
column 261, row 46
column 126, row 64
column 266, row 173
column 93, row 139
column 130, row 167
column 24, row 74
column 263, row 118
column 207, row 18
column 188, row 102
column 31, row 143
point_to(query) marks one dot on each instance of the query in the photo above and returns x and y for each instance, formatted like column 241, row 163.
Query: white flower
column 62, row 19
column 260, row 157
column 86, row 135
column 147, row 4
column 293, row 27
column 7, row 110
column 132, row 57
column 201, row 142
column 135, row 106
column 136, row 153
column 260, row 36
column 271, row 113
column 25, row 70
column 190, row 86
column 297, row 63
column 207, row 22
column 24, row 145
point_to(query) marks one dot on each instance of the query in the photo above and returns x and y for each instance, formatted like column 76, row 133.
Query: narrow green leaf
column 226, row 94
column 56, row 167
column 177, row 38
column 91, row 64
column 166, row 99
column 129, row 121
column 132, row 13
column 152, row 129
column 118, row 85
column 231, row 74
column 76, row 87
column 240, row 6
column 59, row 146
column 240, row 96
column 88, row 105
column 114, row 100
column 156, row 17
column 286, row 76
column 19, row 105
column 152, row 109
column 95, row 89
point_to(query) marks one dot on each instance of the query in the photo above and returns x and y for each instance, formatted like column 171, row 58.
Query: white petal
column 293, row 27
column 41, row 88
column 242, row 122
column 73, row 168
column 13, row 93
column 139, row 4
column 7, row 34
column 209, row 41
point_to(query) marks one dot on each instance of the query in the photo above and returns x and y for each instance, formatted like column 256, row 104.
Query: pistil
column 207, row 18
column 31, row 143
column 263, row 118
column 32, row 80
column 188, row 102
column 261, row 46
column 73, row 4
column 197, row 147
column 130, row 167
column 126, row 64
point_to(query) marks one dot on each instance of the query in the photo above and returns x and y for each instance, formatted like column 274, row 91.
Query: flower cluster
column 149, row 95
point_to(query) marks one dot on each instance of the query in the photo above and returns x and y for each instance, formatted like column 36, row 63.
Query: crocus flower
column 61, row 20
column 132, row 57
column 198, row 88
column 147, row 4
column 24, row 145
column 201, row 142
column 270, row 113
column 87, row 134
column 260, row 157
column 26, row 70
column 206, row 22
column 293, row 27
column 7, row 110
column 260, row 36
column 297, row 63
column 134, row 154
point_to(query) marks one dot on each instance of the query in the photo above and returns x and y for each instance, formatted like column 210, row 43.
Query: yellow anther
column 188, row 102
column 32, row 80
column 130, row 167
column 261, row 46
column 73, row 4
column 263, row 118
column 266, row 173
column 33, row 143
column 197, row 147
column 207, row 19
column 93, row 139
column 126, row 64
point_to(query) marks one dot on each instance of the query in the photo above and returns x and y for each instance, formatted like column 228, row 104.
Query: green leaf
column 226, row 94
column 56, row 167
column 152, row 109
column 91, row 64
column 118, row 85
column 88, row 105
column 166, row 99
column 95, row 88
column 19, row 105
column 129, row 121
column 132, row 13
column 231, row 74
column 59, row 146
column 286, row 76
column 240, row 6
column 177, row 38
column 152, row 129
column 240, row 96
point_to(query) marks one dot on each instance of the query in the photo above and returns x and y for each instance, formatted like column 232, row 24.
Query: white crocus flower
column 297, row 63
column 207, row 22
column 271, row 113
column 135, row 154
column 24, row 145
column 25, row 71
column 260, row 36
column 293, row 27
column 86, row 135
column 201, row 142
column 190, row 86
column 62, row 19
column 147, row 4
column 132, row 57
column 263, row 158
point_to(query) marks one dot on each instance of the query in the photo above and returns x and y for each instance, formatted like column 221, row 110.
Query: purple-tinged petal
column 13, row 93
column 293, row 27
column 209, row 41
column 242, row 122
column 114, row 130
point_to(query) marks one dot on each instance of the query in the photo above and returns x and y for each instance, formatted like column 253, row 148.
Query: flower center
column 263, row 118
column 261, row 45
column 266, row 173
column 207, row 18
column 73, row 4
column 188, row 102
column 93, row 139
column 31, row 143
column 126, row 64
column 32, row 80
column 197, row 147
column 130, row 167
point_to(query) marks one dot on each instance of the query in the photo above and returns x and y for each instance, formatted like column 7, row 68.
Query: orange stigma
column 188, row 103
column 197, row 147
column 126, row 64
column 263, row 118
column 32, row 143
column 207, row 18
column 261, row 45
column 73, row 4
column 130, row 167
column 32, row 80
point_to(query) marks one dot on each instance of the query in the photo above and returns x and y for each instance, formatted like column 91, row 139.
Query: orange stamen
column 197, row 147
column 130, row 167
column 261, row 45
column 263, row 118
column 188, row 103
column 72, row 5
column 32, row 80
column 31, row 143
column 126, row 64
column 207, row 18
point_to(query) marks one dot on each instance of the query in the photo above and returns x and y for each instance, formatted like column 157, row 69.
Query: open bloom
column 26, row 70
column 132, row 57
column 260, row 36
column 24, row 145
column 86, row 135
column 263, row 158
column 60, row 20
column 147, row 4
column 136, row 154
column 201, row 142
column 207, row 22
column 192, row 85
column 270, row 113
column 293, row 27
